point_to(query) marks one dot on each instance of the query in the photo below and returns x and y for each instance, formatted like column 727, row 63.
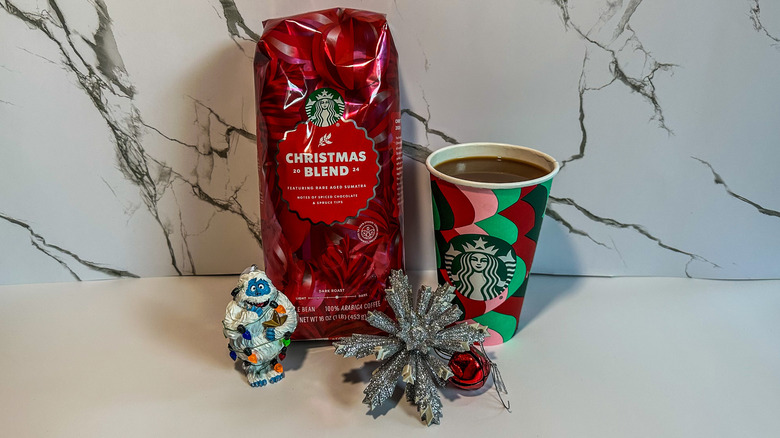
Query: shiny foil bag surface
column 330, row 165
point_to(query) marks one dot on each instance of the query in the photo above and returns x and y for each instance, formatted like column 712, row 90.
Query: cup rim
column 485, row 185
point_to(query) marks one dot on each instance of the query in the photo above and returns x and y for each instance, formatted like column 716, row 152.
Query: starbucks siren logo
column 480, row 267
column 324, row 107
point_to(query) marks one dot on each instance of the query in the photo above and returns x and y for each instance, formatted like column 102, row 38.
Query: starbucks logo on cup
column 480, row 267
column 367, row 232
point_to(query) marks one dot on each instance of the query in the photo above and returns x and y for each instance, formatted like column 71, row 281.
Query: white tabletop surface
column 595, row 357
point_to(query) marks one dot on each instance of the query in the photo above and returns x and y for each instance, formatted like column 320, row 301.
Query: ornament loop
column 498, row 381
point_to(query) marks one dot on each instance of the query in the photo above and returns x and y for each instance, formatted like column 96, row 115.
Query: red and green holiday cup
column 486, row 233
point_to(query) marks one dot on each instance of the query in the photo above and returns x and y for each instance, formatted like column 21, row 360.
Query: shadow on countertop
column 543, row 291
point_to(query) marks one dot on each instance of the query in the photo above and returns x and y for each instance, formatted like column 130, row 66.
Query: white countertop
column 600, row 357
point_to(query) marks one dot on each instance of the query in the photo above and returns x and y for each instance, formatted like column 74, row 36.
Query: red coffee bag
column 330, row 160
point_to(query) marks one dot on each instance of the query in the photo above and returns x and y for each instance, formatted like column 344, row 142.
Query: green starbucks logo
column 324, row 107
column 480, row 267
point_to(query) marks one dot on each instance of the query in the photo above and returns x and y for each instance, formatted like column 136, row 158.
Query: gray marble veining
column 128, row 143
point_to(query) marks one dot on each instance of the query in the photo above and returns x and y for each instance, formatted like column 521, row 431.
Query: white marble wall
column 127, row 129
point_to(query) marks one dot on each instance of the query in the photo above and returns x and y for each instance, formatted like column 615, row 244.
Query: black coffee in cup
column 491, row 169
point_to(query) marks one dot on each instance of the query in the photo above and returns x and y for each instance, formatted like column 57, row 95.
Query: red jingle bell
column 470, row 369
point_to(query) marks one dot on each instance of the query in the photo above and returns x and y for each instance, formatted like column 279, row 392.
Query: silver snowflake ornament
column 419, row 331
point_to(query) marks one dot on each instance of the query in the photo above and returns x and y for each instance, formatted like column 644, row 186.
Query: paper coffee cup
column 486, row 233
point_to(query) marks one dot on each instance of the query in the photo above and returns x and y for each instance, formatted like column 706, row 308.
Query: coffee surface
column 491, row 169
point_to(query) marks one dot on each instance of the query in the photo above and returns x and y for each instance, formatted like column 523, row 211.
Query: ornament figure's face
column 255, row 291
column 257, row 287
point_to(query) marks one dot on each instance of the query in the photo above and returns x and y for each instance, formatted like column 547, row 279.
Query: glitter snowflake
column 411, row 349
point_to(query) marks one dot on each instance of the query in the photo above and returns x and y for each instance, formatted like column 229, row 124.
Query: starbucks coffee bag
column 330, row 163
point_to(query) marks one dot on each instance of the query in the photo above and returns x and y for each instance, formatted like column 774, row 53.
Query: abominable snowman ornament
column 258, row 324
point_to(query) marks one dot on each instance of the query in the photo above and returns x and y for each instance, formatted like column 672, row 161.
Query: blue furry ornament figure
column 258, row 324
